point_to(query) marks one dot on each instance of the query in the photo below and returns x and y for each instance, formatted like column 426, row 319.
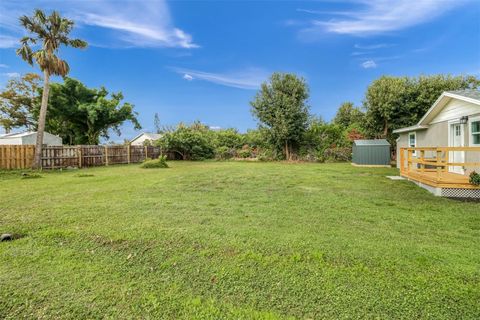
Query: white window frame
column 470, row 133
column 414, row 133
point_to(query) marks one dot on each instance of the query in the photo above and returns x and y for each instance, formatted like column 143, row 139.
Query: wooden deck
column 431, row 166
column 441, row 180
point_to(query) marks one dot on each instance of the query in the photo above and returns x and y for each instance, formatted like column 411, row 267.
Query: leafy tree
column 281, row 107
column 348, row 115
column 82, row 115
column 18, row 101
column 192, row 142
column 49, row 33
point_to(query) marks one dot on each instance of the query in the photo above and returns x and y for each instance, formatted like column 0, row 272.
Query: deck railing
column 437, row 159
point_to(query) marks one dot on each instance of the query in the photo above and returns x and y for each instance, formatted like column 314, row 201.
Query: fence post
column 106, row 155
column 79, row 153
column 128, row 153
column 146, row 152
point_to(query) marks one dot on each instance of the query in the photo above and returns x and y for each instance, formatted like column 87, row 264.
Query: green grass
column 237, row 240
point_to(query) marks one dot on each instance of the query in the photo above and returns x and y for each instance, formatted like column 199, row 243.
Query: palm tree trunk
column 41, row 121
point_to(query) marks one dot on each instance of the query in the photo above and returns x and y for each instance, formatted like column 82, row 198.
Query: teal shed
column 371, row 152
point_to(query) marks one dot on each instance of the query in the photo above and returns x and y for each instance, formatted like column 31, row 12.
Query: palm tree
column 49, row 33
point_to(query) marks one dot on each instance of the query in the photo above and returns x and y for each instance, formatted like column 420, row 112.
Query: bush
column 475, row 178
column 337, row 154
column 245, row 152
column 224, row 153
column 161, row 162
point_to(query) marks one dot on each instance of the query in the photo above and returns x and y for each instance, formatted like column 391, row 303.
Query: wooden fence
column 21, row 157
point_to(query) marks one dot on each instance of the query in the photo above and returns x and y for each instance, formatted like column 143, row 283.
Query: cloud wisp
column 128, row 23
column 382, row 16
column 249, row 79
column 11, row 74
column 369, row 64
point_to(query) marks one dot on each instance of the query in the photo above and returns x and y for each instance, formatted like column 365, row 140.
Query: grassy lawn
column 235, row 240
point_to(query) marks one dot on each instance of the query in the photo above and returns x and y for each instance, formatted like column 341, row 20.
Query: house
column 29, row 138
column 141, row 139
column 446, row 142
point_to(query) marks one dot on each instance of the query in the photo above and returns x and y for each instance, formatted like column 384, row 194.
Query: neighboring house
column 29, row 138
column 141, row 139
column 452, row 121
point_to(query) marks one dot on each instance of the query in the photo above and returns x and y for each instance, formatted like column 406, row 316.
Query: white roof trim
column 412, row 128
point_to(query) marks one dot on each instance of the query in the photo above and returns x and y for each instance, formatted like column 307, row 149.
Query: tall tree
column 281, row 107
column 50, row 33
column 18, row 102
column 348, row 115
column 82, row 115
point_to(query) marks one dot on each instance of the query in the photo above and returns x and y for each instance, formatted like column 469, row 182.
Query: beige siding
column 456, row 109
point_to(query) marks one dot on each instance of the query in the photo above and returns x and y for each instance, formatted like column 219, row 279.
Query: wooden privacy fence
column 21, row 157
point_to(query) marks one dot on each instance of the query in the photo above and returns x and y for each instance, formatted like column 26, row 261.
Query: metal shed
column 371, row 152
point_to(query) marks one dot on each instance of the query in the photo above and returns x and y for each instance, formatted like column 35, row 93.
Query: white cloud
column 129, row 22
column 3, row 65
column 12, row 74
column 216, row 128
column 9, row 42
column 187, row 77
column 380, row 16
column 373, row 46
column 369, row 64
column 247, row 79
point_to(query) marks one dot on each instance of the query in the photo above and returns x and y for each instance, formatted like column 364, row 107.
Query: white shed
column 29, row 138
column 144, row 136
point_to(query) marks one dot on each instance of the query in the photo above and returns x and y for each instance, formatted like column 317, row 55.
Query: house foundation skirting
column 449, row 192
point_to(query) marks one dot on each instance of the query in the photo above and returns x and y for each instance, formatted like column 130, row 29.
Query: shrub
column 337, row 154
column 475, row 178
column 224, row 153
column 245, row 152
column 161, row 162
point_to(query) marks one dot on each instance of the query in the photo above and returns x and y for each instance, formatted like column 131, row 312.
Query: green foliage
column 229, row 138
column 18, row 101
column 281, row 107
column 161, row 162
column 475, row 178
column 224, row 153
column 245, row 152
column 194, row 142
column 82, row 115
column 348, row 115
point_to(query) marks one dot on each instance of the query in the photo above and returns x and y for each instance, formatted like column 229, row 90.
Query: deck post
column 422, row 159
column 439, row 163
column 409, row 159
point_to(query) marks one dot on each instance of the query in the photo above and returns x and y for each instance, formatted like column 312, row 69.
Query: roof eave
column 412, row 128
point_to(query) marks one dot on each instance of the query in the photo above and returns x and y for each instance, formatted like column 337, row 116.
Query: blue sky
column 204, row 60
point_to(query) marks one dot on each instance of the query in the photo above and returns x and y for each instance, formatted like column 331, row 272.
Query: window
column 412, row 141
column 475, row 131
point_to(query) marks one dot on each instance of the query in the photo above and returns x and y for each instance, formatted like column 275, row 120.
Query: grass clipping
column 161, row 162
